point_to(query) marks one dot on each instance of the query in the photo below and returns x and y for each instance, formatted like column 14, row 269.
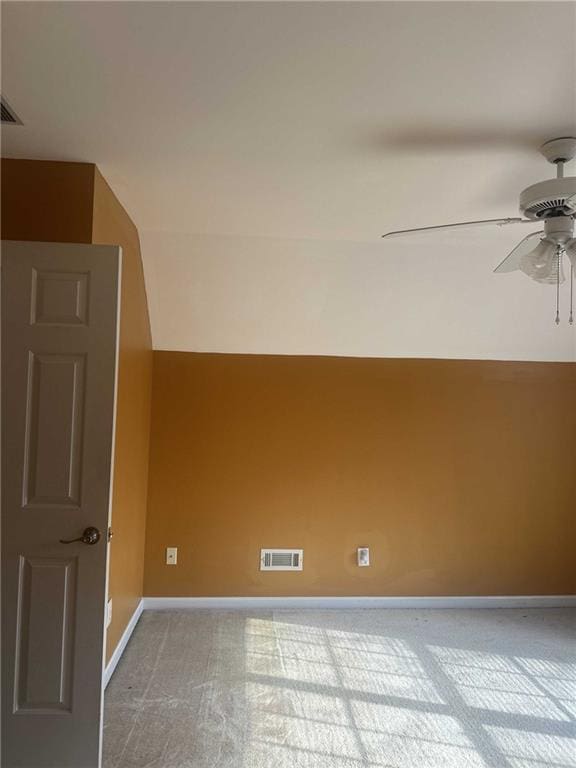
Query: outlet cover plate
column 171, row 555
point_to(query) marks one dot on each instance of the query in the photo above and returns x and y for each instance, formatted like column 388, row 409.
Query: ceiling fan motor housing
column 546, row 199
column 559, row 230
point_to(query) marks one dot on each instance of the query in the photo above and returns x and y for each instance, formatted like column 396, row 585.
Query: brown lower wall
column 112, row 225
column 459, row 475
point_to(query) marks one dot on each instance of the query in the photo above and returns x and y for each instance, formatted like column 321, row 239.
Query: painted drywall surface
column 46, row 201
column 459, row 475
column 71, row 202
column 112, row 225
column 416, row 297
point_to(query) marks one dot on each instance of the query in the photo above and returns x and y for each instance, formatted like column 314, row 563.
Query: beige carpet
column 345, row 689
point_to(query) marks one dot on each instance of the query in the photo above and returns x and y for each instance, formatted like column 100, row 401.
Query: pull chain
column 558, row 256
column 571, row 318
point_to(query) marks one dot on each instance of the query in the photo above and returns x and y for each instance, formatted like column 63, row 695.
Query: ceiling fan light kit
column 539, row 255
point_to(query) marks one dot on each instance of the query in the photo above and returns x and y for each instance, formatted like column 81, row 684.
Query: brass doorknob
column 90, row 536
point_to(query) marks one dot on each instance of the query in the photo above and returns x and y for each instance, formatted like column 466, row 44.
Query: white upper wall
column 263, row 148
column 304, row 297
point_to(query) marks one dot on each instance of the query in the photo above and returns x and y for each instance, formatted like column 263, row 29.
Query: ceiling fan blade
column 512, row 261
column 459, row 225
column 543, row 264
column 570, row 202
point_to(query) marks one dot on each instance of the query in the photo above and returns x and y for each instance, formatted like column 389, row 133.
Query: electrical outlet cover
column 171, row 555
column 363, row 556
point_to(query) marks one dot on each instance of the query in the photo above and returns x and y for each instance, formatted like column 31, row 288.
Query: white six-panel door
column 59, row 350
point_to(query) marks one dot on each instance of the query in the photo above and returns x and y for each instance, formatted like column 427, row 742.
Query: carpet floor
column 345, row 689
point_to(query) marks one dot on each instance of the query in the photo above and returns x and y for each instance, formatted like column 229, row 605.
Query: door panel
column 53, row 437
column 59, row 298
column 45, row 634
column 59, row 348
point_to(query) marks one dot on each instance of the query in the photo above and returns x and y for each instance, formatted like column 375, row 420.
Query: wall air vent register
column 8, row 115
column 281, row 559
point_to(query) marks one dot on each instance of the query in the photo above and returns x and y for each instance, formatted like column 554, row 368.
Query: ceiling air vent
column 281, row 559
column 8, row 114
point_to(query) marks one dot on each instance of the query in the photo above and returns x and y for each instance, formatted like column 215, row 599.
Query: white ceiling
column 262, row 148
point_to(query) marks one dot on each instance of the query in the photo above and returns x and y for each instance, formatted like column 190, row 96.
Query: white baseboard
column 470, row 601
column 278, row 603
column 123, row 642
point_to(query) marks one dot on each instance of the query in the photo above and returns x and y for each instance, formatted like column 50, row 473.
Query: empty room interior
column 288, row 384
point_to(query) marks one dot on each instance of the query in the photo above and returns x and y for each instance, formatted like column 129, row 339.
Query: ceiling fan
column 540, row 254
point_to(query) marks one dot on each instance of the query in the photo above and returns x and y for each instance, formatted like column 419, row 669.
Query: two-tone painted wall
column 459, row 475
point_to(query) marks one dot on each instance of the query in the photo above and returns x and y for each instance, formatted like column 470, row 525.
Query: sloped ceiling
column 262, row 148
